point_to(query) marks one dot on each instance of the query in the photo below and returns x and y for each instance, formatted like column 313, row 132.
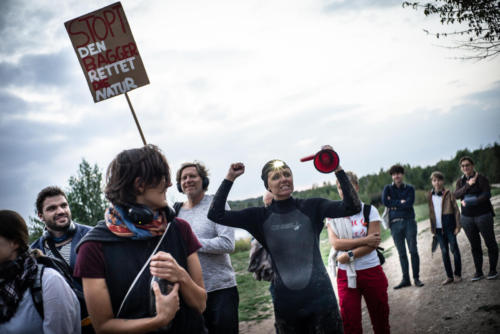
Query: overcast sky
column 236, row 80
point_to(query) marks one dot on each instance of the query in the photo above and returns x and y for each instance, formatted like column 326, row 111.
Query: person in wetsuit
column 289, row 229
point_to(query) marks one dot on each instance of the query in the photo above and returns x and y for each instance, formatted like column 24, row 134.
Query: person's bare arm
column 373, row 238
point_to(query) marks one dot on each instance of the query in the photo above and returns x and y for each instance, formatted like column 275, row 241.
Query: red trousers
column 372, row 284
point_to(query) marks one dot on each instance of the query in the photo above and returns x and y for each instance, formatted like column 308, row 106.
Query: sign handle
column 135, row 119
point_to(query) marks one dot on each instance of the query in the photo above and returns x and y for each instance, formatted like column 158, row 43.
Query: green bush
column 241, row 245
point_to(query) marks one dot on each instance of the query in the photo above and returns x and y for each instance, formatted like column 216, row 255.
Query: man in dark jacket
column 399, row 197
column 473, row 190
column 61, row 234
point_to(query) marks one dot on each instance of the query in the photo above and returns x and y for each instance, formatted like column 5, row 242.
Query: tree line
column 487, row 162
column 87, row 202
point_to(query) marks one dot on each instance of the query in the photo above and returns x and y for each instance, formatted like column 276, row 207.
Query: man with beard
column 61, row 236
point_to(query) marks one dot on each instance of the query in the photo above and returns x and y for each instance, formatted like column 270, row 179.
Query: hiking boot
column 402, row 285
column 492, row 275
column 477, row 277
column 419, row 284
column 447, row 281
column 458, row 279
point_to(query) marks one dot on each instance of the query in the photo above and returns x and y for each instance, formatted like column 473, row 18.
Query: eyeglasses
column 465, row 165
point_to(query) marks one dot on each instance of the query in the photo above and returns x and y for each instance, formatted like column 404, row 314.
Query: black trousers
column 221, row 314
column 326, row 323
column 474, row 228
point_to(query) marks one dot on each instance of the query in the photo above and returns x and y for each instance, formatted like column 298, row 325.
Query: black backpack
column 366, row 214
column 64, row 270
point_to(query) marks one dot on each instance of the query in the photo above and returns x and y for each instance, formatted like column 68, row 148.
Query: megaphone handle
column 309, row 157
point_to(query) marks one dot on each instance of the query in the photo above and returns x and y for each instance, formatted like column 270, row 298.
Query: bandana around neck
column 117, row 222
column 15, row 277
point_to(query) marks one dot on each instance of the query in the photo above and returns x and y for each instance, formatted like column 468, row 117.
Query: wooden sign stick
column 135, row 119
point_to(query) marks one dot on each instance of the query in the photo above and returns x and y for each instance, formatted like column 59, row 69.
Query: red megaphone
column 325, row 161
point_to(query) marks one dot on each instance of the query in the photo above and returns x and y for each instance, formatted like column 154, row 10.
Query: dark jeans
column 448, row 241
column 326, row 323
column 221, row 314
column 481, row 225
column 402, row 230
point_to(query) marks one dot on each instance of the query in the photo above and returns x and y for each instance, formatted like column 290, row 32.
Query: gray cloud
column 10, row 104
column 20, row 24
column 348, row 5
column 45, row 69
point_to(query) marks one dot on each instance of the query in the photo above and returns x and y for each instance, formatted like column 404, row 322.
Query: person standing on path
column 217, row 241
column 355, row 239
column 399, row 197
column 473, row 191
column 444, row 218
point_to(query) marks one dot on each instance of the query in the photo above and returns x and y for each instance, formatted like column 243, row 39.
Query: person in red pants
column 354, row 240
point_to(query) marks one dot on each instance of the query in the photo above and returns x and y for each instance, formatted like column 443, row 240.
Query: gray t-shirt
column 217, row 242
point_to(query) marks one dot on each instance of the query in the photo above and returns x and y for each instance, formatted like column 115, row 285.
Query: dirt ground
column 465, row 307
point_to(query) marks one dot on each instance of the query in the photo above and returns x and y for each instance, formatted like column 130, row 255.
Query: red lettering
column 101, row 60
column 86, row 19
column 117, row 9
column 133, row 49
column 76, row 33
column 96, row 85
column 88, row 63
column 104, row 26
column 126, row 50
column 110, row 56
column 109, row 21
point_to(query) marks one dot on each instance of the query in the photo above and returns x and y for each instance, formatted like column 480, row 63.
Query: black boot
column 404, row 283
column 418, row 283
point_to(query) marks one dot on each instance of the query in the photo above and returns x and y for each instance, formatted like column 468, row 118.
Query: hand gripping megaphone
column 325, row 161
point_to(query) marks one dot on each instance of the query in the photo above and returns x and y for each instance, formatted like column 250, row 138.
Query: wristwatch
column 351, row 255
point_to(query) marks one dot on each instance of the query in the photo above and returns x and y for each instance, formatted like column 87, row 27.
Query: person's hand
column 373, row 240
column 457, row 230
column 236, row 169
column 343, row 258
column 473, row 179
column 463, row 203
column 163, row 265
column 328, row 147
column 166, row 305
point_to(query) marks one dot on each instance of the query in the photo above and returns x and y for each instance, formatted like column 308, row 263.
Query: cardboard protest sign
column 107, row 52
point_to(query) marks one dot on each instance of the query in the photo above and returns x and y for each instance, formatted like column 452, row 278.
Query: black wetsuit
column 289, row 230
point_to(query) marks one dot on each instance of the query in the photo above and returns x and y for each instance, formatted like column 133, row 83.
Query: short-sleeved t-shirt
column 360, row 230
column 90, row 262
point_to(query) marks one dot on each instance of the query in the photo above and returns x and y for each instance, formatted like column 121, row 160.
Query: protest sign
column 107, row 52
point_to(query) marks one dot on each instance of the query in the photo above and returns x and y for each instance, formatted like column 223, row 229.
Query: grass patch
column 421, row 212
column 255, row 299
